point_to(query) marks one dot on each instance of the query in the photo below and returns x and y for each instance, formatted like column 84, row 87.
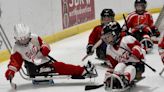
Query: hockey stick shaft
column 161, row 72
column 126, row 24
column 52, row 58
column 93, row 48
column 148, row 66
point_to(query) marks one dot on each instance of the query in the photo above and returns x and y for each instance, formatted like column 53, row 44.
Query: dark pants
column 101, row 51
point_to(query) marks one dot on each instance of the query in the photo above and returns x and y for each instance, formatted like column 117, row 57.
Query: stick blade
column 90, row 87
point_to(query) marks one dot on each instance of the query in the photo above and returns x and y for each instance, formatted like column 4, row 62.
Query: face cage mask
column 140, row 7
column 110, row 36
column 106, row 19
column 24, row 41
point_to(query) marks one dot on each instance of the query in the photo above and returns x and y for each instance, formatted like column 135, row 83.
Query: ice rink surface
column 71, row 50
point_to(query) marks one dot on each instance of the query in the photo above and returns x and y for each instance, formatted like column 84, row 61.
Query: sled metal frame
column 146, row 40
column 51, row 76
column 110, row 89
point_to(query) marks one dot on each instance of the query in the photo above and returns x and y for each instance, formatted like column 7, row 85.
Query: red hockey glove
column 9, row 74
column 136, row 51
column 123, row 33
column 45, row 50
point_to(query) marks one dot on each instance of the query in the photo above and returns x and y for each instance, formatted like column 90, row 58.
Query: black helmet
column 142, row 4
column 107, row 12
column 114, row 29
column 111, row 27
column 141, row 1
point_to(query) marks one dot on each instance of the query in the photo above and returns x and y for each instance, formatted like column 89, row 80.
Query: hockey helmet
column 21, row 32
column 140, row 5
column 107, row 15
column 141, row 1
column 111, row 33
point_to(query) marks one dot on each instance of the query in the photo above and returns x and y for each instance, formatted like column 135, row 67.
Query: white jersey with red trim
column 31, row 52
column 123, row 52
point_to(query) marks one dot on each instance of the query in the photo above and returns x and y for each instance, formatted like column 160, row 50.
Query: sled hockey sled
column 121, row 86
column 42, row 73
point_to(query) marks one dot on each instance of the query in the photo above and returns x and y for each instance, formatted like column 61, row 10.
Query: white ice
column 72, row 50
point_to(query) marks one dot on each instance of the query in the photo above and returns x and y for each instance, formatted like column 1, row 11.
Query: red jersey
column 95, row 35
column 134, row 19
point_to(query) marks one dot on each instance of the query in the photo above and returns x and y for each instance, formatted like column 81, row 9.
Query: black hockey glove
column 157, row 34
column 89, row 49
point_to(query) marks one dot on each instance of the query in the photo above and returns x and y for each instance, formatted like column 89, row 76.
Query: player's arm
column 93, row 38
column 14, row 65
column 135, row 47
column 44, row 48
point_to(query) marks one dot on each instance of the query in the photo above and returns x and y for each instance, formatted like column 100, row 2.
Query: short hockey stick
column 13, row 85
column 93, row 48
column 9, row 47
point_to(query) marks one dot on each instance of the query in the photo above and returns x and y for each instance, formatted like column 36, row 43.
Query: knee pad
column 130, row 72
column 119, row 69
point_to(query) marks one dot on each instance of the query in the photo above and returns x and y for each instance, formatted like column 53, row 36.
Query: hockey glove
column 9, row 74
column 45, row 50
column 157, row 34
column 89, row 49
column 137, row 52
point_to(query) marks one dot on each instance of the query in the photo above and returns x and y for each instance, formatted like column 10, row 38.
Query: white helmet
column 21, row 32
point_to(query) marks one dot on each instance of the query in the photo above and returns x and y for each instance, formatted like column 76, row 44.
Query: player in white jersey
column 123, row 54
column 31, row 49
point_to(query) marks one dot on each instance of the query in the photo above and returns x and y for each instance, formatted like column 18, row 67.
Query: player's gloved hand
column 45, row 50
column 137, row 52
column 141, row 26
column 155, row 31
column 89, row 49
column 157, row 34
column 123, row 33
column 9, row 74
